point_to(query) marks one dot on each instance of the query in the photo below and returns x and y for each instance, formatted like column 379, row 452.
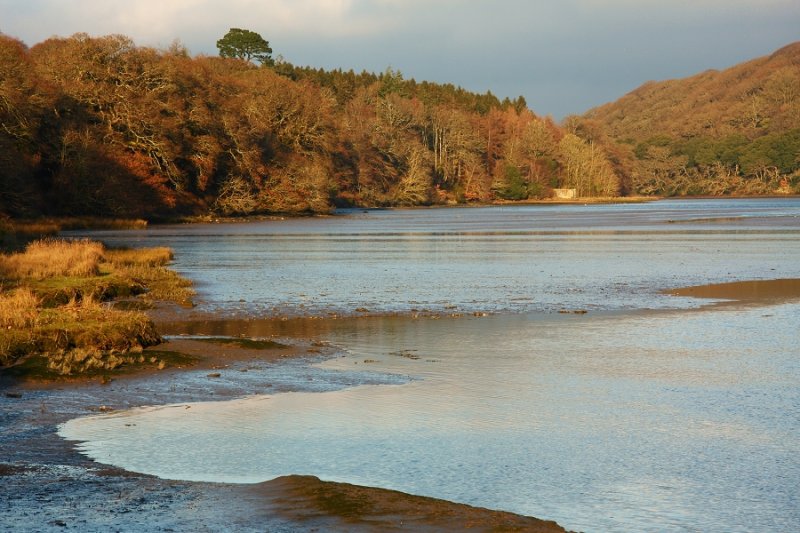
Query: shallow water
column 497, row 259
column 673, row 419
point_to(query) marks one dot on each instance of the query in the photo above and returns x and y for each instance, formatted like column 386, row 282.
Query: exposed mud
column 325, row 506
column 754, row 292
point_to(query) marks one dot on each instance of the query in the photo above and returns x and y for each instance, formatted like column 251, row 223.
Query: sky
column 563, row 56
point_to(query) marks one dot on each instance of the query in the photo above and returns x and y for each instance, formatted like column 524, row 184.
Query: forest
column 100, row 126
column 735, row 131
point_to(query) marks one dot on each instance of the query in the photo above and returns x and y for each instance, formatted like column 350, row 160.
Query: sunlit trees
column 586, row 169
column 719, row 132
column 245, row 44
column 99, row 125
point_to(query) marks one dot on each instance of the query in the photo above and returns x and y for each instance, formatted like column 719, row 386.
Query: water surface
column 495, row 259
column 646, row 413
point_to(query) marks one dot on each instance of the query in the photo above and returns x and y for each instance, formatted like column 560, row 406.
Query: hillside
column 100, row 126
column 735, row 131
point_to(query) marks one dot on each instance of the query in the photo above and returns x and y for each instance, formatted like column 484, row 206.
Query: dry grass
column 38, row 228
column 19, row 309
column 79, row 337
column 55, row 305
column 50, row 258
column 163, row 284
column 147, row 257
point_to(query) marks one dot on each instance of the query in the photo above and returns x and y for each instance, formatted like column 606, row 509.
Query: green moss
column 248, row 344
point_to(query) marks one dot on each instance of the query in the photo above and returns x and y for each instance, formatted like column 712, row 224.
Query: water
column 644, row 414
column 510, row 259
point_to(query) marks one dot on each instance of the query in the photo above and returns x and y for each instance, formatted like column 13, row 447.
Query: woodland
column 100, row 126
column 735, row 131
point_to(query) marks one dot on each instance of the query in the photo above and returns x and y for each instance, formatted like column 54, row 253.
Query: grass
column 56, row 301
column 50, row 258
column 19, row 309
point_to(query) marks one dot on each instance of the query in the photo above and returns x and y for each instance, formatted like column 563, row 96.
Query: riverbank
column 45, row 484
column 48, row 484
column 15, row 233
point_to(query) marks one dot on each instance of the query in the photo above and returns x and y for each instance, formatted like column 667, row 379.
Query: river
column 547, row 373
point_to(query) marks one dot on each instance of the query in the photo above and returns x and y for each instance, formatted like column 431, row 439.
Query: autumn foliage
column 101, row 126
column 735, row 131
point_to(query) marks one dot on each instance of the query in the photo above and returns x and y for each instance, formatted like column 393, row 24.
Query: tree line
column 101, row 126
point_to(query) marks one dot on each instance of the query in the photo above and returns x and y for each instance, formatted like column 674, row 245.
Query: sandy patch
column 754, row 292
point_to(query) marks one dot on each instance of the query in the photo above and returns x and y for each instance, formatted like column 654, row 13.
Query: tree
column 245, row 44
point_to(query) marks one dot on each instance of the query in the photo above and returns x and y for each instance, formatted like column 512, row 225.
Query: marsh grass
column 56, row 303
column 16, row 234
column 147, row 257
column 50, row 258
column 82, row 335
column 148, row 266
column 18, row 309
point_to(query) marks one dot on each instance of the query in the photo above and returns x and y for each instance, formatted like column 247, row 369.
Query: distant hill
column 735, row 131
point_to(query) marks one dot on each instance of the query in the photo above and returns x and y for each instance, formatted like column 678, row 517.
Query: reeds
column 81, row 336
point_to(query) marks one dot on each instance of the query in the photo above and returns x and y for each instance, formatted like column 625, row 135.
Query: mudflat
column 46, row 485
column 768, row 291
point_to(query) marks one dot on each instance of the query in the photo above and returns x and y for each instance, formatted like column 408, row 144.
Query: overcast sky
column 563, row 56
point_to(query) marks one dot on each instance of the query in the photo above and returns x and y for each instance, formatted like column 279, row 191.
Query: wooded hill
column 735, row 131
column 101, row 126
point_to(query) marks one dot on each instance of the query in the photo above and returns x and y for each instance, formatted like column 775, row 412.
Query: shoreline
column 48, row 485
column 47, row 480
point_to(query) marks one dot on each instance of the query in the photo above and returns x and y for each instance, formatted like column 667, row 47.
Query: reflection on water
column 617, row 420
column 612, row 422
column 509, row 259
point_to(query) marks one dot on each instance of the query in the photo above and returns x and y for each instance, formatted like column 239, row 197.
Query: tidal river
column 547, row 373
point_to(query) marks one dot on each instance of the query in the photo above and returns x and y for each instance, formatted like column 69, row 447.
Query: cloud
column 149, row 21
column 562, row 55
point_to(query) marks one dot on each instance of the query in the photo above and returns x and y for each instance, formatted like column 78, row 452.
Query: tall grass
column 147, row 257
column 81, row 336
column 52, row 306
column 18, row 309
column 49, row 258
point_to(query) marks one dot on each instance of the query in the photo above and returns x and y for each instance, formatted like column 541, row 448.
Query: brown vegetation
column 735, row 131
column 50, row 258
column 54, row 304
column 101, row 126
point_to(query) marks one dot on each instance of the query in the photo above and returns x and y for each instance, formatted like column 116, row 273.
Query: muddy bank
column 753, row 292
column 323, row 505
column 46, row 485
